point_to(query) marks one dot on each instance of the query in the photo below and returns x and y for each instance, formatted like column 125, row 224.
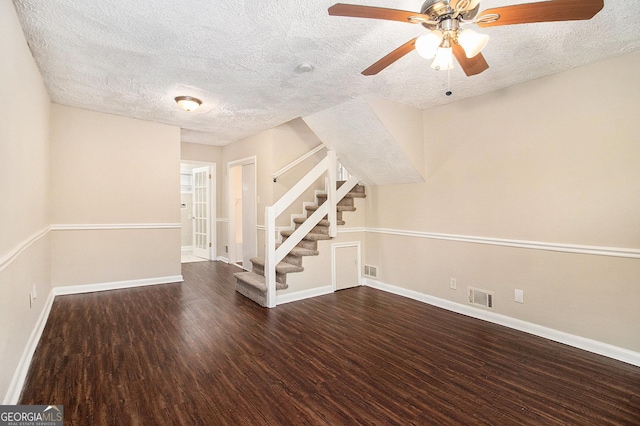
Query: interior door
column 201, row 225
column 346, row 267
column 249, row 230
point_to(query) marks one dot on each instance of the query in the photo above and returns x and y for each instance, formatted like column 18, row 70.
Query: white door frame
column 334, row 246
column 231, row 197
column 212, row 217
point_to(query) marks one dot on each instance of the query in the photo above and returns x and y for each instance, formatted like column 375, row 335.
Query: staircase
column 253, row 284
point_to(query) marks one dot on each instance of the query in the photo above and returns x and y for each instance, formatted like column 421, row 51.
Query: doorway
column 242, row 235
column 198, row 211
column 345, row 260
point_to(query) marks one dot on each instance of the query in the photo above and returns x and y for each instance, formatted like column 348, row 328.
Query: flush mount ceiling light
column 188, row 103
column 304, row 68
column 445, row 20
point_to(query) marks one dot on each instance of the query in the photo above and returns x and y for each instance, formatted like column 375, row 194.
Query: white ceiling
column 132, row 58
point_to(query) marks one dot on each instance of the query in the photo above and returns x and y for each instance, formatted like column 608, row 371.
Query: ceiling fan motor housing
column 437, row 10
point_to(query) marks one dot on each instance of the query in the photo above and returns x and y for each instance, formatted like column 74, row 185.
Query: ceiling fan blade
column 470, row 66
column 357, row 11
column 547, row 11
column 390, row 58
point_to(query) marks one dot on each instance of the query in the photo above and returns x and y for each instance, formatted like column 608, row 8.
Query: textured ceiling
column 132, row 58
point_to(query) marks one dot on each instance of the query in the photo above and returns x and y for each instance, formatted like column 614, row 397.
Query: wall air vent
column 479, row 297
column 371, row 271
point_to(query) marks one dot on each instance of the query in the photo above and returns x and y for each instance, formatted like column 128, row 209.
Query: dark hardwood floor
column 197, row 353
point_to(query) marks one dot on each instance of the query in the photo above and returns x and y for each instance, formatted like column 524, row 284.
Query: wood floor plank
column 197, row 352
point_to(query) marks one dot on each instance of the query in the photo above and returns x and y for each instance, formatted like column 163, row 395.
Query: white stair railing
column 272, row 255
column 295, row 162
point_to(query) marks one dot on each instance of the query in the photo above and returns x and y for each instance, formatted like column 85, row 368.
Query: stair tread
column 281, row 268
column 347, row 195
column 257, row 281
column 323, row 222
column 311, row 236
column 339, row 208
column 299, row 251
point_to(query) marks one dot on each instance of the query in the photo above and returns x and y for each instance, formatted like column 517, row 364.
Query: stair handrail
column 297, row 161
column 273, row 255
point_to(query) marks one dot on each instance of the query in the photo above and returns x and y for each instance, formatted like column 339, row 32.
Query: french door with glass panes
column 201, row 225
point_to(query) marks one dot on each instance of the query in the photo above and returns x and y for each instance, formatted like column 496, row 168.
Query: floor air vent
column 482, row 298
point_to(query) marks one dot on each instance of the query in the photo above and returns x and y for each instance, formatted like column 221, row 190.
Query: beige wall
column 555, row 160
column 106, row 256
column 291, row 141
column 274, row 149
column 260, row 147
column 110, row 170
column 24, row 210
column 199, row 152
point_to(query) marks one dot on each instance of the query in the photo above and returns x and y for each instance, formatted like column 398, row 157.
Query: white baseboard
column 20, row 375
column 186, row 248
column 223, row 259
column 90, row 288
column 600, row 348
column 304, row 294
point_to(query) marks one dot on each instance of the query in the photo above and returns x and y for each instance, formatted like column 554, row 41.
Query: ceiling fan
column 450, row 36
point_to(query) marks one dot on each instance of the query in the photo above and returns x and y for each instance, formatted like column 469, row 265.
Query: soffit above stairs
column 379, row 141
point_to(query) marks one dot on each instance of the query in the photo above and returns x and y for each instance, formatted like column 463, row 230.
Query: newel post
column 270, row 255
column 332, row 169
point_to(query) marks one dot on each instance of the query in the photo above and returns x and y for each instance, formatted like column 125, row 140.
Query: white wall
column 24, row 190
column 556, row 161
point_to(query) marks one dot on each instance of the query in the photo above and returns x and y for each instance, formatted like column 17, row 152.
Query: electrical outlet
column 452, row 283
column 34, row 291
column 518, row 296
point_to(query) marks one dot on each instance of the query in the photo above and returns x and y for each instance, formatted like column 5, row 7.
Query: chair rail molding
column 112, row 226
column 8, row 258
column 535, row 245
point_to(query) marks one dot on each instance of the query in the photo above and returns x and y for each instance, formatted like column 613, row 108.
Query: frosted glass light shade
column 443, row 60
column 188, row 103
column 427, row 44
column 472, row 42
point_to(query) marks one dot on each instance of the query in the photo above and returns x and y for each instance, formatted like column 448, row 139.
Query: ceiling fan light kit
column 472, row 42
column 443, row 60
column 448, row 38
column 427, row 44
